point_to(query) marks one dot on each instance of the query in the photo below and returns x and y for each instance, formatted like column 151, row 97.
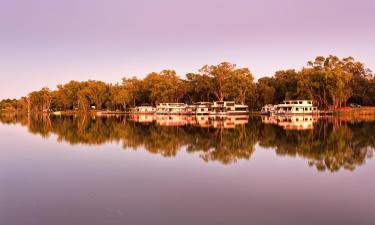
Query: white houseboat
column 171, row 108
column 228, row 108
column 295, row 107
column 144, row 110
column 203, row 108
column 267, row 109
column 190, row 110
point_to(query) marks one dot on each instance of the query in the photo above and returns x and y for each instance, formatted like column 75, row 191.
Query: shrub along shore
column 332, row 83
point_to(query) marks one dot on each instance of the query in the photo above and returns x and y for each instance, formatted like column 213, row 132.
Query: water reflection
column 298, row 122
column 200, row 121
column 328, row 144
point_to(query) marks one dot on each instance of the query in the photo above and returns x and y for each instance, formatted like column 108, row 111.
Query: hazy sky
column 47, row 42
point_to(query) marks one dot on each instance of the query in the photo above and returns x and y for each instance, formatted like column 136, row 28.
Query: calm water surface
column 182, row 170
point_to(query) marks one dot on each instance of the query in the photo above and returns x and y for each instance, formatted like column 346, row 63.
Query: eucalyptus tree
column 133, row 91
column 200, row 87
column 40, row 100
column 220, row 74
column 165, row 86
column 240, row 86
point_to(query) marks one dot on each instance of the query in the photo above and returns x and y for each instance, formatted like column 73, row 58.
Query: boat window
column 300, row 102
column 297, row 109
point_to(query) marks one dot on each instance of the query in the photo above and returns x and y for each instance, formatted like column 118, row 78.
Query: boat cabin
column 203, row 108
column 171, row 108
column 228, row 107
column 267, row 109
column 144, row 110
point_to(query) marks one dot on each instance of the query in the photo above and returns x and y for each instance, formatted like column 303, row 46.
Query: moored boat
column 228, row 108
column 293, row 107
column 267, row 109
column 203, row 108
column 171, row 108
column 145, row 109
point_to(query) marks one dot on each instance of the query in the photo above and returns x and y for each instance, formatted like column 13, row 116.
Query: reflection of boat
column 295, row 122
column 203, row 121
column 219, row 121
column 229, row 121
column 172, row 120
column 228, row 108
column 143, row 118
column 295, row 107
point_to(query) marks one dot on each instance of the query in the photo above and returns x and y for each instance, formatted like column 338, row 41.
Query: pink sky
column 47, row 42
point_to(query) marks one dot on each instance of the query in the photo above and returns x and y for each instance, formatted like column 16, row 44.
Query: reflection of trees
column 221, row 145
column 225, row 145
column 13, row 118
column 331, row 145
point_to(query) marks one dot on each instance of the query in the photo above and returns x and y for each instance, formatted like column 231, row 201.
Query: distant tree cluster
column 12, row 105
column 329, row 82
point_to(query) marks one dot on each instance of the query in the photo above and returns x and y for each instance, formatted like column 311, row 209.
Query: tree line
column 330, row 82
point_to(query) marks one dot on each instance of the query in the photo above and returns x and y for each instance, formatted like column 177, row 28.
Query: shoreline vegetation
column 332, row 83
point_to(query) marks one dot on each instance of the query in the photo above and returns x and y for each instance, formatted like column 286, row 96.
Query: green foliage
column 240, row 86
column 330, row 82
column 219, row 74
column 266, row 91
column 12, row 105
column 165, row 86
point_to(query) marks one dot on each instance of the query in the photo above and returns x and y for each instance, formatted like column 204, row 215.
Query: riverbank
column 355, row 111
column 347, row 111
